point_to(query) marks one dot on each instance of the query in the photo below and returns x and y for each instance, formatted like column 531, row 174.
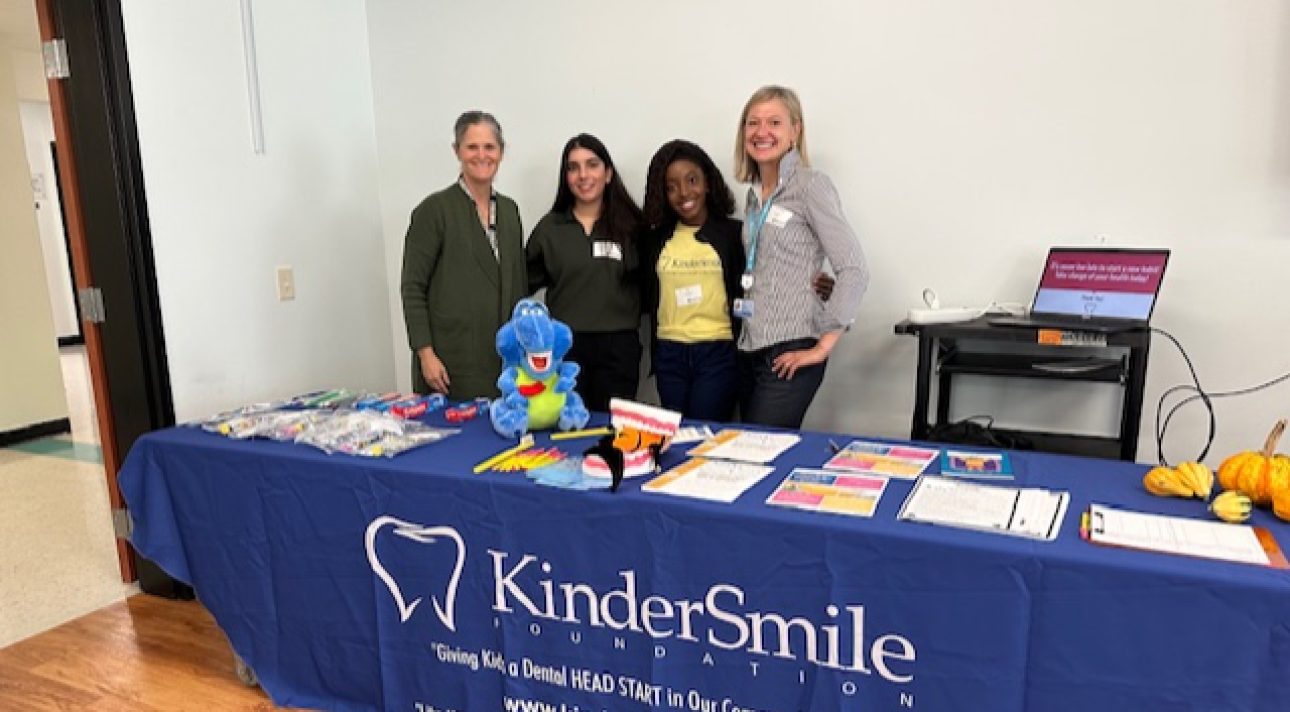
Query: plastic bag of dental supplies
column 367, row 433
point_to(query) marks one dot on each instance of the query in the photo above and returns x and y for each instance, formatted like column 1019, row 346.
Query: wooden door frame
column 108, row 230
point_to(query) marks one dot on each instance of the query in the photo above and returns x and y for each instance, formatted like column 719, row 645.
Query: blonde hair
column 746, row 168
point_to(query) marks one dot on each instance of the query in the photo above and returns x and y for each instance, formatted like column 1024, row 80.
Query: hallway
column 57, row 552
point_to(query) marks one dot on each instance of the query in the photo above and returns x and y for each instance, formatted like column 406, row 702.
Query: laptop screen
column 1098, row 283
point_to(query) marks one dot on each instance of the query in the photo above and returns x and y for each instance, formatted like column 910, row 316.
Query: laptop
column 1098, row 289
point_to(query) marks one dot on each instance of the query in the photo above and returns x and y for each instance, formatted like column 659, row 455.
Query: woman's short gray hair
column 473, row 118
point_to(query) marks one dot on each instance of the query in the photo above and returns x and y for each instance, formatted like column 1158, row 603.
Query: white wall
column 38, row 132
column 31, row 384
column 29, row 67
column 965, row 139
column 223, row 218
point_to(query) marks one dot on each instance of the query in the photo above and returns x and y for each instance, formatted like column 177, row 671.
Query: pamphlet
column 830, row 491
column 1178, row 535
column 746, row 446
column 692, row 434
column 1026, row 512
column 715, row 480
column 905, row 461
column 965, row 463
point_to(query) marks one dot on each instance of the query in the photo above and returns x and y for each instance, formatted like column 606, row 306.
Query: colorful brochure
column 904, row 461
column 830, row 491
column 964, row 463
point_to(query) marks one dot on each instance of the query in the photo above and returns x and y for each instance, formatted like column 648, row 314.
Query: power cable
column 1201, row 395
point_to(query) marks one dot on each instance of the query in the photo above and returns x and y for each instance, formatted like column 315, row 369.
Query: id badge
column 743, row 308
column 779, row 216
column 606, row 249
column 689, row 296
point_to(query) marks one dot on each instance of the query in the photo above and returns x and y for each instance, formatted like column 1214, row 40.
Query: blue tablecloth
column 411, row 584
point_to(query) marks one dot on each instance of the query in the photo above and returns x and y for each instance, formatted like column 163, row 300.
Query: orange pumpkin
column 1260, row 475
column 1281, row 504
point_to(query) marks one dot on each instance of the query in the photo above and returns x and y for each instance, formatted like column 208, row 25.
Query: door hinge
column 56, row 65
column 122, row 524
column 91, row 299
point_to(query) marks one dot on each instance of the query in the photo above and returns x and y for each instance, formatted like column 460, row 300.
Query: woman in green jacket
column 463, row 270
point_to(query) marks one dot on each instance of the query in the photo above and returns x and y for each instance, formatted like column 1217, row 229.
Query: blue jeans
column 697, row 380
column 767, row 399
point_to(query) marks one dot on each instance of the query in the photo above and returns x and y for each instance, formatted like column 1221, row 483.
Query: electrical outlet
column 286, row 284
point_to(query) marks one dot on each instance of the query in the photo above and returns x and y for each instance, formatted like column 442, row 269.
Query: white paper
column 1027, row 512
column 1175, row 535
column 708, row 479
column 692, row 434
column 746, row 446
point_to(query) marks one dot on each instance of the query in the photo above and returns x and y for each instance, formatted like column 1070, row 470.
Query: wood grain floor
column 144, row 654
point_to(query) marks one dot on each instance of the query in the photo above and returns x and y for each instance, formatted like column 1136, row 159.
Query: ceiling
column 18, row 26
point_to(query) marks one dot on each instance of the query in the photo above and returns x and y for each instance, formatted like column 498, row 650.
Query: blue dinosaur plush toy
column 536, row 383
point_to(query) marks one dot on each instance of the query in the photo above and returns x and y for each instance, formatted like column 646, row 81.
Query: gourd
column 1231, row 506
column 1281, row 504
column 1261, row 475
column 1190, row 479
column 1197, row 476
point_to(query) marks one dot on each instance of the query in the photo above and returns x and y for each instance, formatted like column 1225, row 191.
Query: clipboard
column 1220, row 541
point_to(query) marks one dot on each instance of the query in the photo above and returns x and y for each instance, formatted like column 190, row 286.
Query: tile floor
column 57, row 551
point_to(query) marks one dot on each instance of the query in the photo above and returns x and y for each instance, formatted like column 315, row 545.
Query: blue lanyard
column 755, row 223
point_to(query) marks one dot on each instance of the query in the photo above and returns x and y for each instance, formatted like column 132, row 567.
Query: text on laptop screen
column 1100, row 283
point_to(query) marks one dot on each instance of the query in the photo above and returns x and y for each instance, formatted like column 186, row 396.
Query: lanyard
column 491, row 227
column 755, row 223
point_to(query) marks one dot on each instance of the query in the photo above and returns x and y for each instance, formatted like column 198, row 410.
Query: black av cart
column 978, row 348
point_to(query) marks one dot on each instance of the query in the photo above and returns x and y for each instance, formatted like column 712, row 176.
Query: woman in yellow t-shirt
column 692, row 256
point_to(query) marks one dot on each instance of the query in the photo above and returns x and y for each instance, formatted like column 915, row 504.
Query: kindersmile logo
column 420, row 534
column 840, row 637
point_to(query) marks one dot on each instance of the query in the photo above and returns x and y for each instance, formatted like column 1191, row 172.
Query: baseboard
column 35, row 432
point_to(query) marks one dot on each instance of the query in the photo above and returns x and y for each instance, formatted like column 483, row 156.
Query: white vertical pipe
column 252, row 78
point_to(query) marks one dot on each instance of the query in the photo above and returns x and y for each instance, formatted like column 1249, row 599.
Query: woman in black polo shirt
column 584, row 253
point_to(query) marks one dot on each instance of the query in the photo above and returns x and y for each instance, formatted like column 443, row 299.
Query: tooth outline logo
column 422, row 534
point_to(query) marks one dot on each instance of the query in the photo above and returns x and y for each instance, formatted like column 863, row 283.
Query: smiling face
column 769, row 132
column 687, row 192
column 587, row 176
column 480, row 154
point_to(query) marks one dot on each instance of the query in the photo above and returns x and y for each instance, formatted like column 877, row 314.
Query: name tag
column 605, row 249
column 743, row 308
column 689, row 296
column 778, row 216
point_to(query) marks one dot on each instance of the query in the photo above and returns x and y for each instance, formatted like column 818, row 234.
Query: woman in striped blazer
column 794, row 220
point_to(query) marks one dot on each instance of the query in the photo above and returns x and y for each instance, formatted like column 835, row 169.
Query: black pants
column 610, row 365
column 767, row 399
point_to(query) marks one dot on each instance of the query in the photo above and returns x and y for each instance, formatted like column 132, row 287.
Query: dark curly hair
column 657, row 210
column 619, row 215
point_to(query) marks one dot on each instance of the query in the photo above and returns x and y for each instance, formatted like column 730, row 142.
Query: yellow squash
column 1166, row 482
column 1231, row 506
column 1198, row 477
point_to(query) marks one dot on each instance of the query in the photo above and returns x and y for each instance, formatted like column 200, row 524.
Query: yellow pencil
column 525, row 442
column 592, row 433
